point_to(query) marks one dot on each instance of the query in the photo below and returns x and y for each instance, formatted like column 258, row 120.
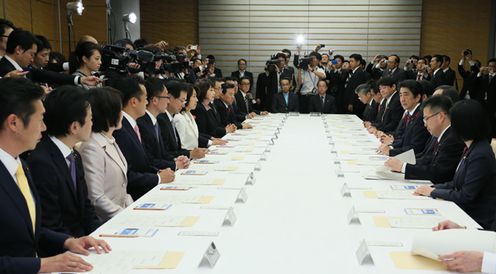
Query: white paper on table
column 145, row 220
column 123, row 261
column 384, row 173
column 407, row 157
column 399, row 195
column 422, row 222
column 433, row 244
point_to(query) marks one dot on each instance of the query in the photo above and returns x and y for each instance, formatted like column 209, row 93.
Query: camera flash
column 300, row 40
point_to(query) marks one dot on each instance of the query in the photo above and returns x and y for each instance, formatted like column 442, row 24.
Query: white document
column 407, row 157
column 433, row 244
column 399, row 195
column 123, row 261
column 419, row 222
column 384, row 173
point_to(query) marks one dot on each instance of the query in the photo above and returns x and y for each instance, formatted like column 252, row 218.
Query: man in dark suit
column 355, row 77
column 438, row 77
column 322, row 101
column 391, row 111
column 244, row 100
column 158, row 99
column 393, row 70
column 142, row 175
column 224, row 107
column 469, row 76
column 366, row 96
column 242, row 72
column 285, row 101
column 377, row 67
column 449, row 73
column 57, row 168
column 23, row 236
column 170, row 137
column 21, row 47
column 411, row 132
column 441, row 155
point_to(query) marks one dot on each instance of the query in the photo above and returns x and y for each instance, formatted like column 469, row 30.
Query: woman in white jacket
column 185, row 122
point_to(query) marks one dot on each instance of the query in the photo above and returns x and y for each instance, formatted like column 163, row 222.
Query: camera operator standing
column 309, row 74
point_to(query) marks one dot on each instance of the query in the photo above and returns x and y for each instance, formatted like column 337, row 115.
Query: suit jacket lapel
column 59, row 161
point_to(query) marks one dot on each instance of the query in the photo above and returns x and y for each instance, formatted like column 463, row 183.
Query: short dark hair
column 242, row 59
column 491, row 60
column 449, row 91
column 469, row 120
column 124, row 42
column 139, row 43
column 363, row 88
column 42, row 43
column 203, row 85
column 287, row 51
column 323, row 80
column 446, row 58
column 106, row 107
column 427, row 86
column 226, row 86
column 154, row 87
column 17, row 96
column 386, row 81
column 284, row 78
column 4, row 24
column 339, row 57
column 22, row 38
column 86, row 49
column 244, row 78
column 189, row 92
column 416, row 57
column 129, row 87
column 396, row 57
column 439, row 58
column 57, row 56
column 230, row 78
column 356, row 56
column 414, row 87
column 439, row 103
column 65, row 105
column 175, row 88
column 374, row 88
column 316, row 54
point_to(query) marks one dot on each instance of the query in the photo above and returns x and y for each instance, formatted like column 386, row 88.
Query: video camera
column 117, row 58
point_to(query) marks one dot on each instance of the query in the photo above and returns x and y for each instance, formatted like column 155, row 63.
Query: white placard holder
column 242, row 196
column 345, row 190
column 251, row 179
column 363, row 254
column 353, row 216
column 210, row 257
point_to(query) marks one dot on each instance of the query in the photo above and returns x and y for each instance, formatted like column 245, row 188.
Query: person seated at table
column 285, row 101
column 207, row 117
column 411, row 132
column 225, row 108
column 366, row 95
column 23, row 236
column 473, row 187
column 439, row 159
column 151, row 130
column 58, row 169
column 322, row 101
column 105, row 167
column 390, row 109
column 186, row 126
column 142, row 175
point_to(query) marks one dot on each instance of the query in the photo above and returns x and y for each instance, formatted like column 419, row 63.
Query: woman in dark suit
column 473, row 187
column 206, row 116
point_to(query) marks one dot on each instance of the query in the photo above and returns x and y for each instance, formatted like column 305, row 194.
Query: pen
column 117, row 236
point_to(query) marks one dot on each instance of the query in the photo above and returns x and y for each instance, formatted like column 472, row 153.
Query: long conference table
column 295, row 194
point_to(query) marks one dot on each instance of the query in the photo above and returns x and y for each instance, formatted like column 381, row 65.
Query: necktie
column 175, row 132
column 137, row 131
column 408, row 118
column 72, row 168
column 247, row 104
column 435, row 146
column 286, row 98
column 22, row 182
column 323, row 101
column 383, row 108
column 157, row 131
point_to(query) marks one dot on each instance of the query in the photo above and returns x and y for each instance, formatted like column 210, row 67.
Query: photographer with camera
column 469, row 87
column 308, row 76
column 410, row 67
column 393, row 70
column 377, row 66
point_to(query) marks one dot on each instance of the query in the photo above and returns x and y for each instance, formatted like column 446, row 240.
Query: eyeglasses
column 163, row 97
column 430, row 116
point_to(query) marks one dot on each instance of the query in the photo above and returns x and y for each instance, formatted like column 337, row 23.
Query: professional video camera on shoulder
column 115, row 58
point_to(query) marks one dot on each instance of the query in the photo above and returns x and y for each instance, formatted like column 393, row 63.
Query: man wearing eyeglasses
column 440, row 158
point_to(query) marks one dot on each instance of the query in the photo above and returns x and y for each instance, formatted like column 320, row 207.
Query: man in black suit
column 142, row 175
column 391, row 111
column 366, row 95
column 225, row 109
column 6, row 27
column 170, row 137
column 449, row 73
column 57, row 168
column 441, row 155
column 244, row 100
column 322, row 101
column 438, row 77
column 393, row 70
column 158, row 98
column 21, row 47
column 376, row 67
column 337, row 81
column 242, row 72
column 285, row 101
column 212, row 71
column 469, row 76
column 411, row 132
column 22, row 234
column 355, row 77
